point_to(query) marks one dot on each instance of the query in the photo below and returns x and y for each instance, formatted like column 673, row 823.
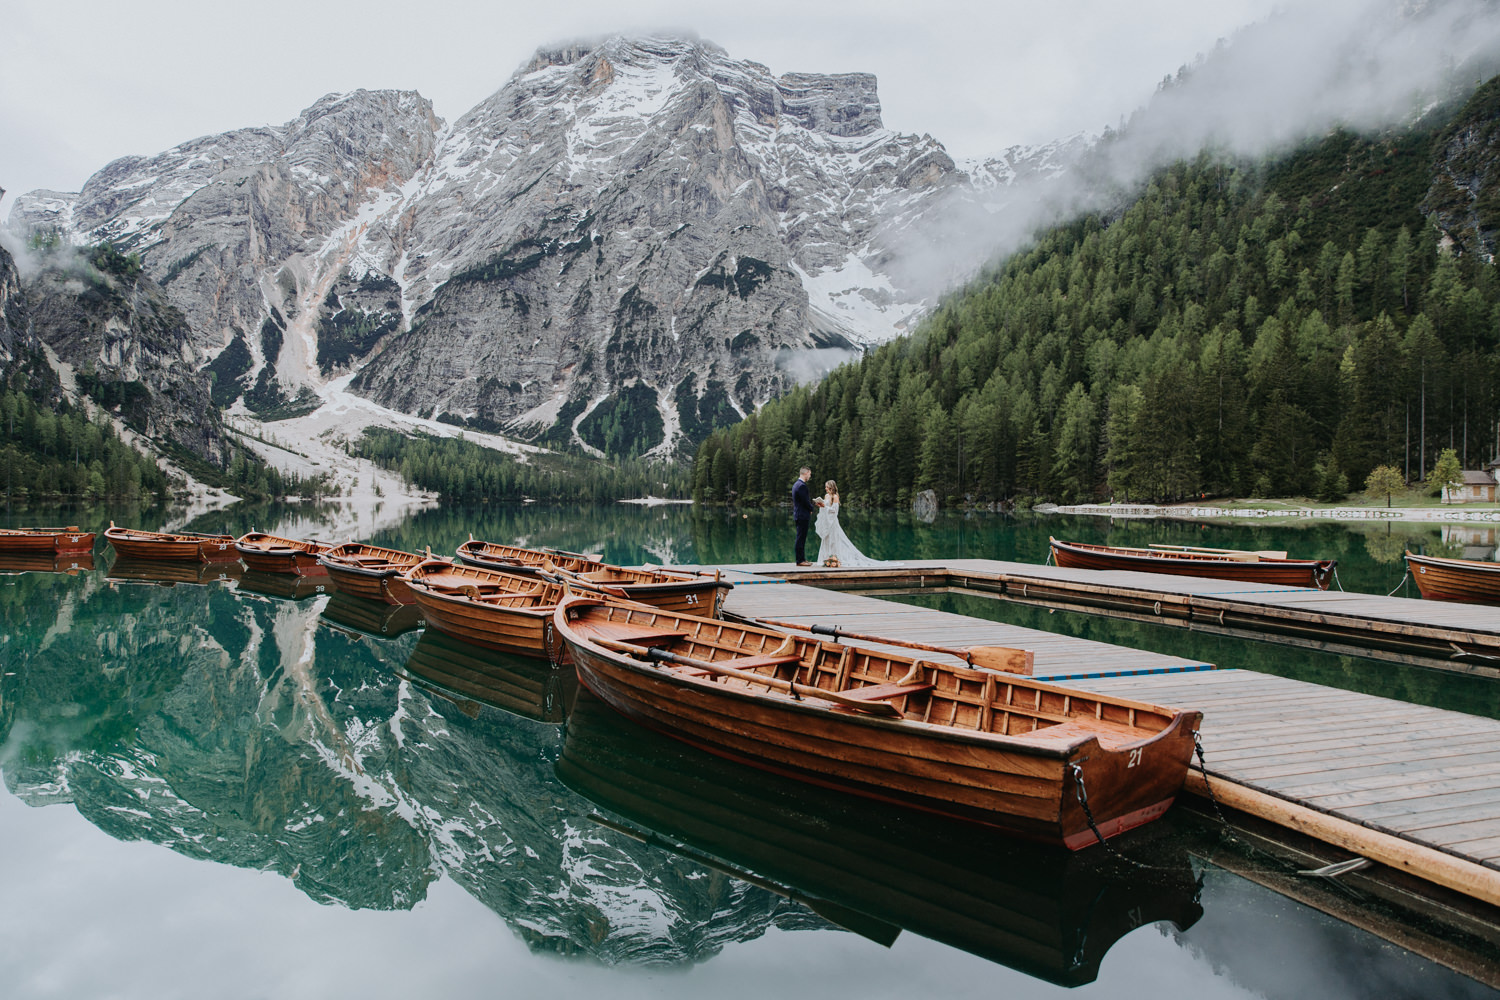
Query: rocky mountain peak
column 633, row 239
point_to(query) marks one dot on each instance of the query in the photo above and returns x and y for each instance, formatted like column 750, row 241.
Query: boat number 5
column 1135, row 758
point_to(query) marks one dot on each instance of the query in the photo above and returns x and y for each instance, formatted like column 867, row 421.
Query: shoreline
column 1485, row 514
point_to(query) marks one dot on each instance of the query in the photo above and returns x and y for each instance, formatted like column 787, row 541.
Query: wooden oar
column 558, row 575
column 1001, row 658
column 1262, row 553
column 798, row 691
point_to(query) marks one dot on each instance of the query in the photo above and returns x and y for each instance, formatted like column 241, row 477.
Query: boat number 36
column 1135, row 757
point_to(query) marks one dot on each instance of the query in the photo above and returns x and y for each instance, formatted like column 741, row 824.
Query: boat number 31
column 691, row 598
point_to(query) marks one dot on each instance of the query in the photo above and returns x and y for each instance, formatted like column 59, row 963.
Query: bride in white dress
column 836, row 544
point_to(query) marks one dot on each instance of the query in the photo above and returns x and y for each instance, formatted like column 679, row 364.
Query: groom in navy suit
column 802, row 510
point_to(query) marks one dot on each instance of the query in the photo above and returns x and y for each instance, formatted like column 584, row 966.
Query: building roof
column 1472, row 477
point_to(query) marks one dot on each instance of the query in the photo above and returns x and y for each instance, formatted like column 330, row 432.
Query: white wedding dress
column 834, row 541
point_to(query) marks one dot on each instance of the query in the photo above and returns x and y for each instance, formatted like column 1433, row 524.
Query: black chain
column 1203, row 770
column 1083, row 798
column 1088, row 814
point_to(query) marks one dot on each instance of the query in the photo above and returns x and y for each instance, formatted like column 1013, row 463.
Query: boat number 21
column 1135, row 757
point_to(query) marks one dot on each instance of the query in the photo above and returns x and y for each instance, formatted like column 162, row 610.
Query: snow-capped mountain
column 643, row 224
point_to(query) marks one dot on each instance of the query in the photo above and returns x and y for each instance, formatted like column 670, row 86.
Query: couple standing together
column 835, row 544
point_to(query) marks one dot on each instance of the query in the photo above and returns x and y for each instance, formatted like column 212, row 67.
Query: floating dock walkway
column 1414, row 788
column 1461, row 637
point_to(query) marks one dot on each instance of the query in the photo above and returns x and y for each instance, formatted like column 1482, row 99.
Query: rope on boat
column 1402, row 583
column 1336, row 581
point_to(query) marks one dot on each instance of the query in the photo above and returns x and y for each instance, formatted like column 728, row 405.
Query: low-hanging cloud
column 1360, row 64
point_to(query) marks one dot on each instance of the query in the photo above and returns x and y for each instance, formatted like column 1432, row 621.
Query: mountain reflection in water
column 245, row 722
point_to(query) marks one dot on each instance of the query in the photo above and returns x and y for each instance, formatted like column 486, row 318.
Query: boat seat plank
column 881, row 692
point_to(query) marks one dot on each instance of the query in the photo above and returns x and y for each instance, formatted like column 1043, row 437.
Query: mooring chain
column 1088, row 814
column 1203, row 770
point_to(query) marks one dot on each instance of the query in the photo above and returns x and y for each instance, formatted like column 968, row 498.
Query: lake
column 232, row 785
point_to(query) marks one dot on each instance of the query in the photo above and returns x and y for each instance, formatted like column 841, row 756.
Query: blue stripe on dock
column 1139, row 672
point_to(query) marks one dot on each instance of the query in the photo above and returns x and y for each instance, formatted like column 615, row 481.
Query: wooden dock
column 1460, row 637
column 1412, row 787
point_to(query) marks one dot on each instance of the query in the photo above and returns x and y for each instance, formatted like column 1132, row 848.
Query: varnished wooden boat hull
column 1045, row 911
column 1284, row 572
column 21, row 541
column 169, row 547
column 271, row 554
column 522, row 631
column 369, row 572
column 684, row 592
column 1442, row 579
column 452, row 599
column 1028, row 787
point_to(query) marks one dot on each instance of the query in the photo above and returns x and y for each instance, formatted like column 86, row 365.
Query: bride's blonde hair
column 831, row 487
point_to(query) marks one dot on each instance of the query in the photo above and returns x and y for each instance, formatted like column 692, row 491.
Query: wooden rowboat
column 369, row 571
column 273, row 554
column 522, row 561
column 495, row 610
column 1443, row 579
column 1218, row 564
column 1008, row 751
column 50, row 540
column 874, row 868
column 179, row 546
column 688, row 592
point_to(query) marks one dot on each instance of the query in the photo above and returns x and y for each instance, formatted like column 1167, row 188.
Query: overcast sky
column 83, row 82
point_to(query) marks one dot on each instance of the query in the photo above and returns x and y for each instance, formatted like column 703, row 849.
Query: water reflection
column 372, row 618
column 524, row 686
column 1048, row 912
column 364, row 763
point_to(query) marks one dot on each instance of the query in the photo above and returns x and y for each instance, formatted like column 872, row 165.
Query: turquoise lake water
column 229, row 785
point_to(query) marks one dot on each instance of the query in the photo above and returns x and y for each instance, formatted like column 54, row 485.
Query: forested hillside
column 1274, row 328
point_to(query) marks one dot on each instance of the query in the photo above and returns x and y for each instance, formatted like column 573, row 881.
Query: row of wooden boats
column 941, row 733
column 1438, row 578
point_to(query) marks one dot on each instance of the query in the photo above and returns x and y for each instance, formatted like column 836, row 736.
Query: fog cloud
column 1361, row 64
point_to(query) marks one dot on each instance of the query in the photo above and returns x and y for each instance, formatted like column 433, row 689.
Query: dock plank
column 1428, row 776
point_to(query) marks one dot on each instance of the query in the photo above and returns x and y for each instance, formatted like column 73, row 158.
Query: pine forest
column 1278, row 328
